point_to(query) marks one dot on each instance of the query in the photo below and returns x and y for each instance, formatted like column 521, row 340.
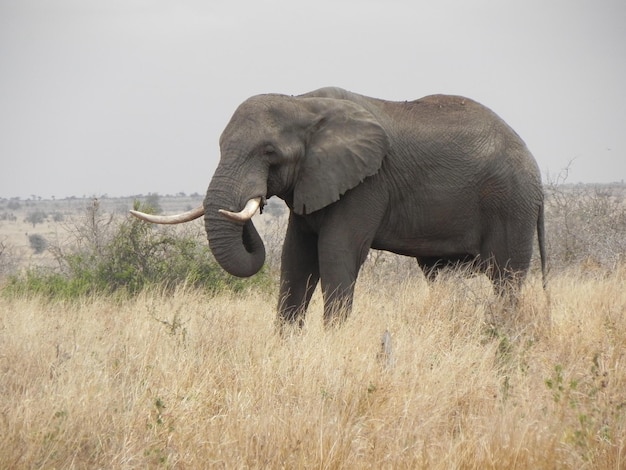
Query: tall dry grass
column 190, row 381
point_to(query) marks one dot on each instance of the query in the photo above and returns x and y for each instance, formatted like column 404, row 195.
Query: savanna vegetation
column 132, row 349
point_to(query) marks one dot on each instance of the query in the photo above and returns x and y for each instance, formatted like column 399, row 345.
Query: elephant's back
column 453, row 125
column 451, row 110
column 441, row 101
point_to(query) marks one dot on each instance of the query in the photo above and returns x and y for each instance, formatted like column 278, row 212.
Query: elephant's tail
column 541, row 238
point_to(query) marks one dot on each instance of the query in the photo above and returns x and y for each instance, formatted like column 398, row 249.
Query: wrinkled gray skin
column 442, row 179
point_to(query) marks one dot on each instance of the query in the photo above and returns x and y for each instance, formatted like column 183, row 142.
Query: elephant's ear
column 346, row 145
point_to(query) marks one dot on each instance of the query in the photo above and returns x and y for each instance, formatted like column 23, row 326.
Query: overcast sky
column 124, row 97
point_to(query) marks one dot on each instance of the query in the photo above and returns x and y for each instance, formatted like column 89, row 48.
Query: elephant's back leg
column 506, row 253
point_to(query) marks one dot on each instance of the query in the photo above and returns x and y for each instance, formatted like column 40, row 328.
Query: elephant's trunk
column 236, row 245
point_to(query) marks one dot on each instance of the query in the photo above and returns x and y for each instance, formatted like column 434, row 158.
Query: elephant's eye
column 269, row 150
column 272, row 155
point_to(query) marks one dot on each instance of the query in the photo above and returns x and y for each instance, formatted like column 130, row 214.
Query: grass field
column 192, row 381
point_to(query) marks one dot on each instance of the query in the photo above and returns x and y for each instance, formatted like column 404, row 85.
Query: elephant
column 442, row 179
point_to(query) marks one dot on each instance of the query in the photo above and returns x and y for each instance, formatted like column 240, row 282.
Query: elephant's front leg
column 299, row 273
column 341, row 257
column 346, row 235
column 338, row 290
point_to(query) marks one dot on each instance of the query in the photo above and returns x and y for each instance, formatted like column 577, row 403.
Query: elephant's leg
column 506, row 257
column 299, row 272
column 347, row 231
column 342, row 251
column 338, row 276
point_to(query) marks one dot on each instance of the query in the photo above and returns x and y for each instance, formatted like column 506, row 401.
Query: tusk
column 170, row 219
column 246, row 214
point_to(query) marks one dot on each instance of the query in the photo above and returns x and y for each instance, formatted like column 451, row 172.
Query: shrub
column 14, row 204
column 585, row 224
column 124, row 258
column 8, row 259
column 153, row 201
column 36, row 217
column 38, row 243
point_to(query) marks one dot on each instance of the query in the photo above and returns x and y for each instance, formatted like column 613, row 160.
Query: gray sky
column 125, row 97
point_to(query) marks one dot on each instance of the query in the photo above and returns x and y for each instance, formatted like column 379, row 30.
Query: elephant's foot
column 336, row 312
column 289, row 319
column 287, row 328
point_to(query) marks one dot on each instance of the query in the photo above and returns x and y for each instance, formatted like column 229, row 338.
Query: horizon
column 197, row 194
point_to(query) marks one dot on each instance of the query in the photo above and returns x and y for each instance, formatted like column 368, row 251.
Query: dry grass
column 189, row 381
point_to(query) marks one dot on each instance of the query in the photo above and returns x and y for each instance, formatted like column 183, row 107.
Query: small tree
column 38, row 243
column 153, row 203
column 36, row 217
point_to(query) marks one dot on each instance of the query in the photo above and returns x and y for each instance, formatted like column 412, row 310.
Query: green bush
column 127, row 257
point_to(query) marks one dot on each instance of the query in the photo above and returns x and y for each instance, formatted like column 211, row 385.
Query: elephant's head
column 307, row 150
